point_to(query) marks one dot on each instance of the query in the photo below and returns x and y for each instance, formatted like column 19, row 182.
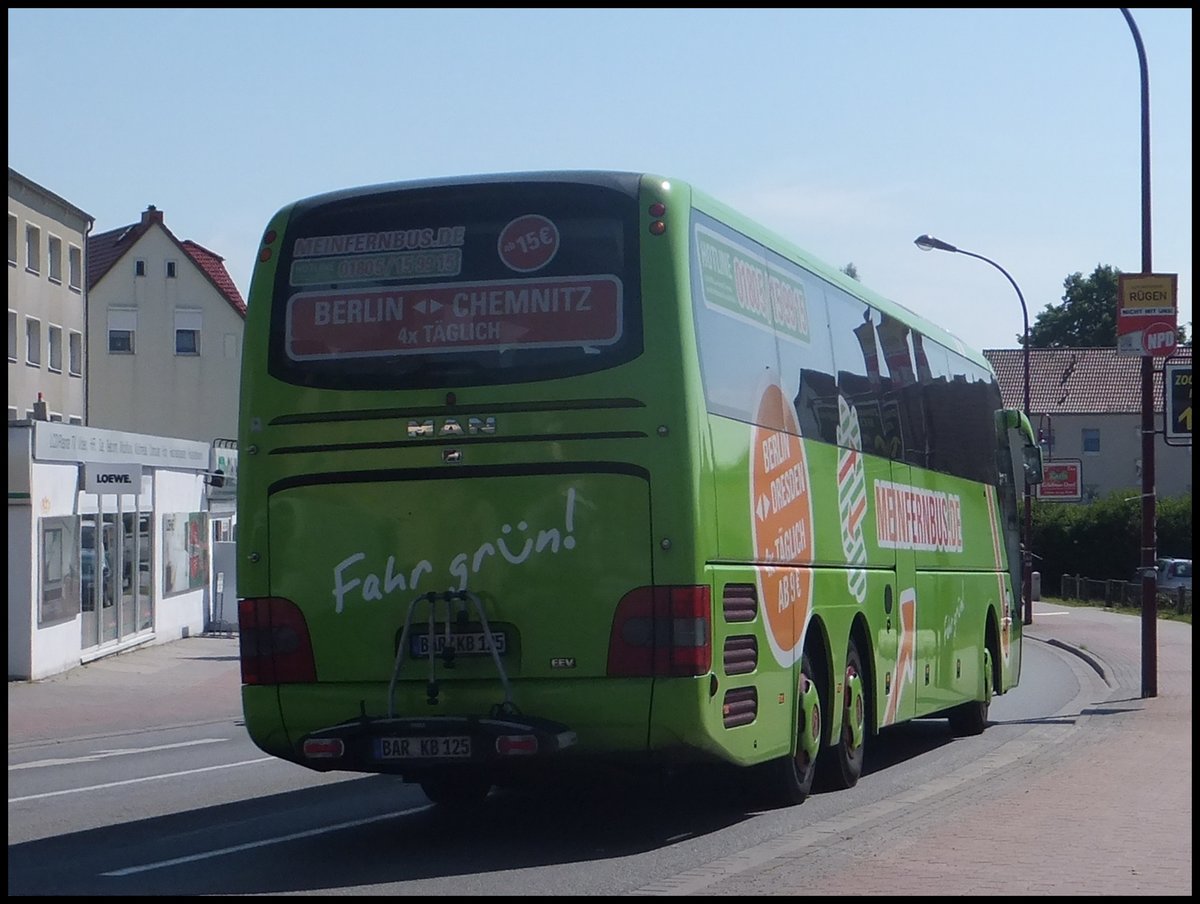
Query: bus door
column 905, row 617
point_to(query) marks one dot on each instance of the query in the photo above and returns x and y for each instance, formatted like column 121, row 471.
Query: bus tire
column 840, row 765
column 972, row 718
column 789, row 779
column 456, row 789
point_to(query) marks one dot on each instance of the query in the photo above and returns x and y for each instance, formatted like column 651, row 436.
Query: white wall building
column 165, row 332
column 109, row 543
column 117, row 535
column 1087, row 405
column 47, row 303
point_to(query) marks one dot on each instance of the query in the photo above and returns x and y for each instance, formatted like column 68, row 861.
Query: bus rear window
column 457, row 285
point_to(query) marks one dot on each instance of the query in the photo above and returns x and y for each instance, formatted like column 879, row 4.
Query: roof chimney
column 151, row 215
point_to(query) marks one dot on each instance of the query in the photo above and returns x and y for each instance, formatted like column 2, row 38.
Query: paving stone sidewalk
column 1107, row 811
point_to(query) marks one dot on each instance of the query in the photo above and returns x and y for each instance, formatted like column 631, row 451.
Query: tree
column 1087, row 317
column 851, row 270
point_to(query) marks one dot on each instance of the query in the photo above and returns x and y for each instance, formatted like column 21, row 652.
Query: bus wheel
column 842, row 763
column 789, row 779
column 456, row 789
column 972, row 718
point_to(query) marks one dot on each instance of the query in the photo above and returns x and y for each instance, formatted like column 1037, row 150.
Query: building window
column 187, row 342
column 122, row 329
column 170, row 269
column 33, row 342
column 58, row 599
column 75, row 267
column 54, row 259
column 12, row 239
column 54, row 361
column 139, row 268
column 75, row 354
column 12, row 335
column 187, row 332
column 33, row 249
column 1091, row 441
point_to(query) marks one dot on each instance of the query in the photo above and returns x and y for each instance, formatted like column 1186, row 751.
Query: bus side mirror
column 217, row 478
column 1033, row 464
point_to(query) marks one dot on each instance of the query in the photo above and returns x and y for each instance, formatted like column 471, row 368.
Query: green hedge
column 1103, row 540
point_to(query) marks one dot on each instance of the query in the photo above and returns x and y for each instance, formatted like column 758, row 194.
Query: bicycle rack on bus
column 461, row 597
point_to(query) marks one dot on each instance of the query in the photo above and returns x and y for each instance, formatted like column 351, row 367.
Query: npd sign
column 1158, row 339
column 109, row 478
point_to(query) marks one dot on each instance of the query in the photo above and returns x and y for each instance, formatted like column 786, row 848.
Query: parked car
column 1174, row 573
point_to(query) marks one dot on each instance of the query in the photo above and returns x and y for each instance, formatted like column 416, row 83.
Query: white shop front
column 108, row 543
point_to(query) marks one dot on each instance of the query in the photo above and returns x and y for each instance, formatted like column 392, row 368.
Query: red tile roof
column 106, row 248
column 214, row 267
column 1077, row 380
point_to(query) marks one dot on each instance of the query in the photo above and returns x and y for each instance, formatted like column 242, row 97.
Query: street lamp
column 1149, row 515
column 929, row 243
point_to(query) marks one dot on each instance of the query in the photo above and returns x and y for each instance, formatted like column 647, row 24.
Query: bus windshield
column 434, row 287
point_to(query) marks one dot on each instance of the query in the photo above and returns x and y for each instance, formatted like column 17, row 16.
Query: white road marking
column 102, row 754
column 134, row 781
column 251, row 845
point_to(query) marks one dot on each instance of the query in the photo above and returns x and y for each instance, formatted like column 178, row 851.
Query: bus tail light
column 324, row 748
column 662, row 632
column 517, row 745
column 275, row 644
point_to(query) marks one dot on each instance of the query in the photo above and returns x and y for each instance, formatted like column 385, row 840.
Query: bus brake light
column 662, row 632
column 274, row 641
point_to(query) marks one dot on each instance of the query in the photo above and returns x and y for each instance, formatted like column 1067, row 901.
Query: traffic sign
column 1146, row 313
column 1177, row 404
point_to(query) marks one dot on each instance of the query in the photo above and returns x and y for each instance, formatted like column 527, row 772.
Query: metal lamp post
column 1149, row 504
column 929, row 243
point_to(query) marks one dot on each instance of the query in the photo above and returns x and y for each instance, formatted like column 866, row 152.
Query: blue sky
column 1012, row 133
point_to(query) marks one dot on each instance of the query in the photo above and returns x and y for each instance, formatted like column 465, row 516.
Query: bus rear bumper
column 414, row 744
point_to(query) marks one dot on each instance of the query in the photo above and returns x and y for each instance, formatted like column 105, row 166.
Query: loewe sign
column 105, row 478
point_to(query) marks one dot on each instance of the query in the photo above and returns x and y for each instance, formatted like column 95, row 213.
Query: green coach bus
column 556, row 470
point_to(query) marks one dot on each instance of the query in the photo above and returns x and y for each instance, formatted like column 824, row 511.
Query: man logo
column 451, row 427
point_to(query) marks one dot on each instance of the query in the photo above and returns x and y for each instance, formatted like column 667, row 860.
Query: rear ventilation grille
column 740, row 602
column 740, row 706
column 741, row 654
